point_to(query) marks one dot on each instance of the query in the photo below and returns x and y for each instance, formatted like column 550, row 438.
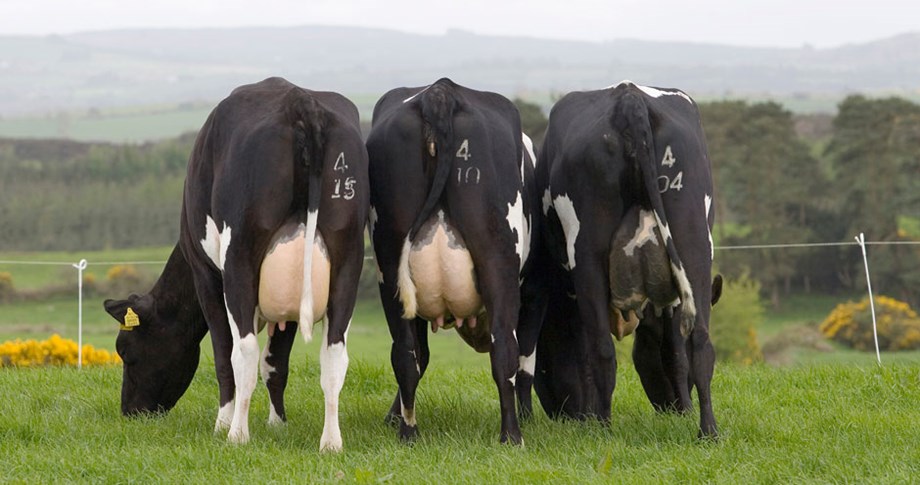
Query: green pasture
column 817, row 424
column 39, row 317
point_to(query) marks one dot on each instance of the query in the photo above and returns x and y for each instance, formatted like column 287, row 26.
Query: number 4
column 464, row 151
column 668, row 160
column 677, row 183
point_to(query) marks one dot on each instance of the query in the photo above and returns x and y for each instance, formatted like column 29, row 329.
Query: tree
column 875, row 157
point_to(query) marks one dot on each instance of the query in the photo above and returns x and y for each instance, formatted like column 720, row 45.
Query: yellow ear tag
column 131, row 320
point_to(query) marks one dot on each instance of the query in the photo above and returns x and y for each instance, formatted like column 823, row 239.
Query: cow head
column 159, row 352
column 160, row 339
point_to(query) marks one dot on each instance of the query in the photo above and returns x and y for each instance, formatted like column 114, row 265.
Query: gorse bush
column 7, row 292
column 734, row 320
column 851, row 324
column 55, row 351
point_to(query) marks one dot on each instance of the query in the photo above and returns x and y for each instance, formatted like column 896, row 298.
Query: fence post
column 861, row 240
column 80, row 267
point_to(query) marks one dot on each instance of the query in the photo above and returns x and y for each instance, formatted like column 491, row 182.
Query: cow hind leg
column 274, row 367
column 333, row 360
column 243, row 316
column 702, row 367
column 648, row 360
column 394, row 415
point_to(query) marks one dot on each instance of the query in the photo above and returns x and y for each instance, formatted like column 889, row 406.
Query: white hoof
column 238, row 437
column 330, row 444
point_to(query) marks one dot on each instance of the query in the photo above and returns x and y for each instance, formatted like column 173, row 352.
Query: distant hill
column 102, row 70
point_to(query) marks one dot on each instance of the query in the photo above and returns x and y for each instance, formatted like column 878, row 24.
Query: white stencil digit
column 464, row 151
column 668, row 160
column 349, row 188
column 677, row 183
column 340, row 165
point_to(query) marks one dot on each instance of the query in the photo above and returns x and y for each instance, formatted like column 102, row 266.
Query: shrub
column 851, row 324
column 7, row 292
column 55, row 351
column 123, row 278
column 734, row 320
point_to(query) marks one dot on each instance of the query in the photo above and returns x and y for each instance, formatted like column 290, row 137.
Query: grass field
column 815, row 424
column 813, row 421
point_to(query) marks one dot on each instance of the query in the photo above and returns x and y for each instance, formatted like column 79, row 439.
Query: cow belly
column 282, row 276
column 443, row 272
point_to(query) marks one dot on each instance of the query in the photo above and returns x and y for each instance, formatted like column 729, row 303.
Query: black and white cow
column 627, row 195
column 273, row 214
column 451, row 199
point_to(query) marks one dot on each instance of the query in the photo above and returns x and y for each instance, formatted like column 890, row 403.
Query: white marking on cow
column 653, row 92
column 211, row 242
column 645, row 232
column 410, row 98
column 707, row 201
column 683, row 283
column 686, row 296
column 408, row 414
column 404, row 283
column 565, row 208
column 415, row 359
column 528, row 145
column 245, row 361
column 372, row 222
column 527, row 363
column 307, row 316
column 333, row 363
column 547, row 201
column 513, row 379
column 224, row 416
column 520, row 226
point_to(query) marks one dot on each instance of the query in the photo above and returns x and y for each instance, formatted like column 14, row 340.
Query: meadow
column 827, row 417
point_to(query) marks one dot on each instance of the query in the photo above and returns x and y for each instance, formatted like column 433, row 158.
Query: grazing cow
column 627, row 197
column 451, row 200
column 273, row 213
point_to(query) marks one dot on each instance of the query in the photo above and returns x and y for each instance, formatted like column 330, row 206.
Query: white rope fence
column 860, row 241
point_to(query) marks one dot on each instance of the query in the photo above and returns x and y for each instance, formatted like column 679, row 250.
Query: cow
column 272, row 223
column 627, row 192
column 451, row 179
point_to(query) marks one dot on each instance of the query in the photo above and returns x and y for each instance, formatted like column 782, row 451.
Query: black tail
column 438, row 104
column 631, row 118
column 309, row 121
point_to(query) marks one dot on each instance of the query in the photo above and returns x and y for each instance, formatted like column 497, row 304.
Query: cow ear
column 716, row 289
column 129, row 313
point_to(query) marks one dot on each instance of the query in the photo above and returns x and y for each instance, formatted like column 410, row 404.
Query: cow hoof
column 330, row 445
column 710, row 436
column 513, row 439
column 408, row 434
column 392, row 419
column 238, row 437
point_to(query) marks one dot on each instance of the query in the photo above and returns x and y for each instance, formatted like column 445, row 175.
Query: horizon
column 817, row 24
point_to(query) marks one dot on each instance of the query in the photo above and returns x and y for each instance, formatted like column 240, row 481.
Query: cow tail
column 310, row 128
column 641, row 148
column 438, row 104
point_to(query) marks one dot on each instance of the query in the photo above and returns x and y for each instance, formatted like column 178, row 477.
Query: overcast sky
column 783, row 23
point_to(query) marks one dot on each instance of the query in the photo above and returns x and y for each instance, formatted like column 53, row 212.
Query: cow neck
column 175, row 296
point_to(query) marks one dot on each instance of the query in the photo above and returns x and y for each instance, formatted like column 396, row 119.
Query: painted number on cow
column 340, row 165
column 344, row 190
column 464, row 151
column 469, row 175
column 665, row 183
column 668, row 160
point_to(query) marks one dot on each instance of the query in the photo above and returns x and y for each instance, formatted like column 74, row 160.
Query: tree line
column 779, row 178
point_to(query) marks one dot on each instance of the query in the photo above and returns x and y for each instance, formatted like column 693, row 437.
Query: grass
column 820, row 423
column 815, row 420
